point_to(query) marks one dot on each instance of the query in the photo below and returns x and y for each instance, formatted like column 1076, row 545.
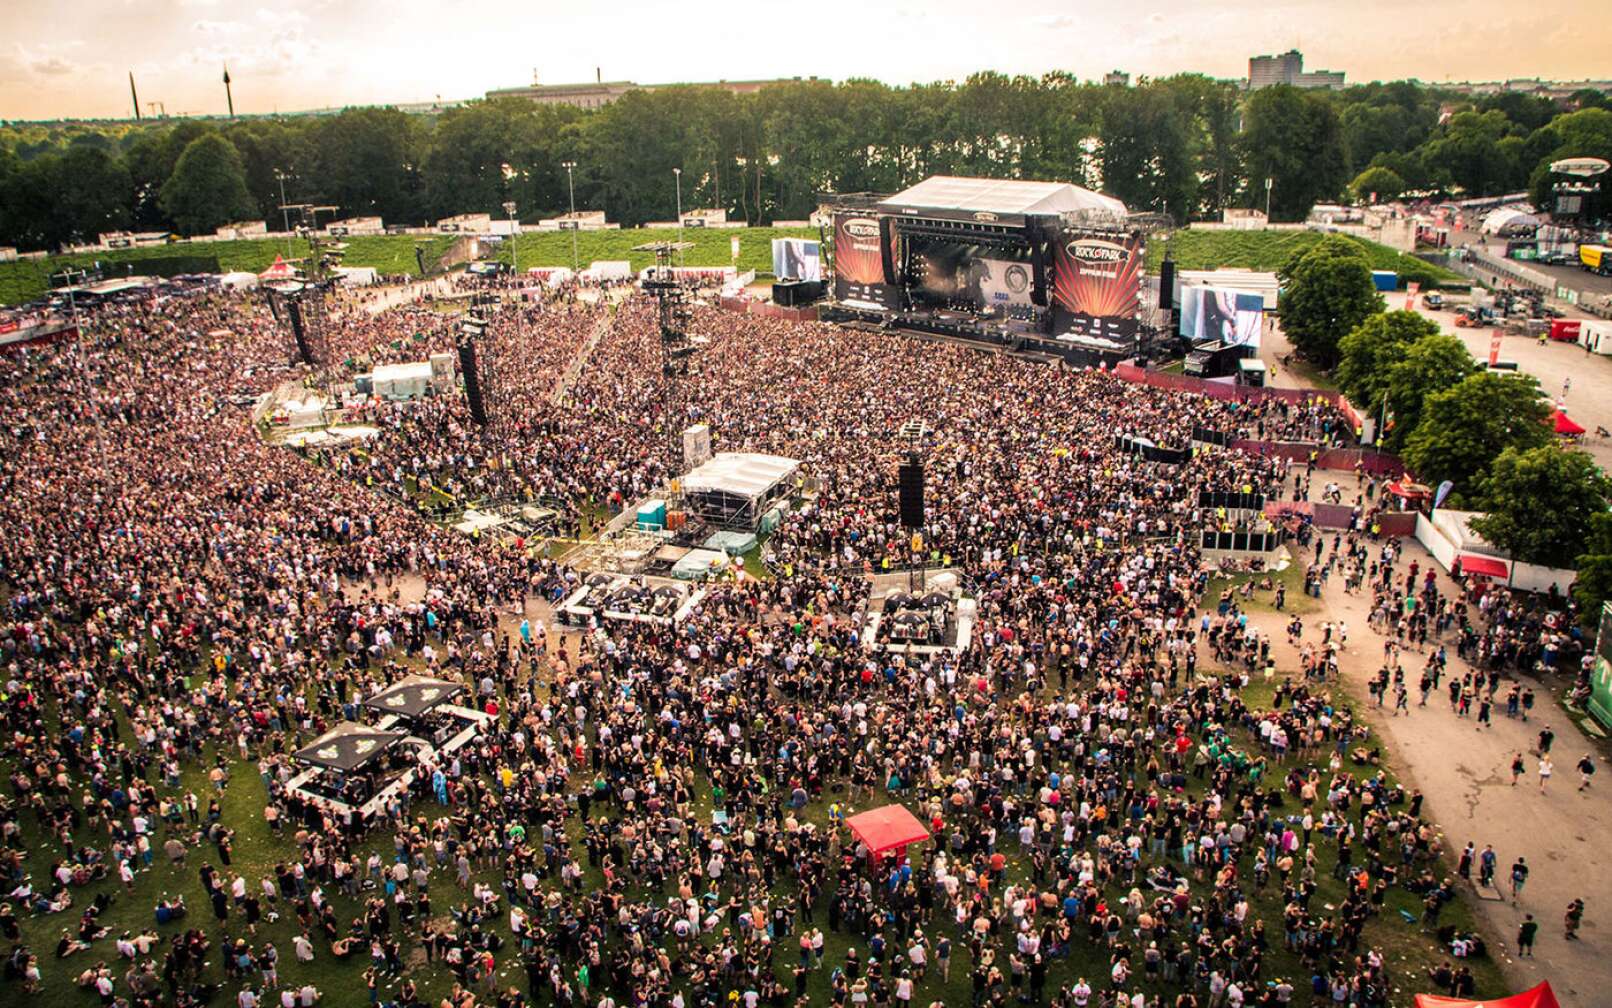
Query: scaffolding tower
column 676, row 314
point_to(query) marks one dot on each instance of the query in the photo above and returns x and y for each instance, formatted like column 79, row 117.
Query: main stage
column 1044, row 267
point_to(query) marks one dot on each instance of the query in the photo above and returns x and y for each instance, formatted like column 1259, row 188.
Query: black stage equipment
column 912, row 494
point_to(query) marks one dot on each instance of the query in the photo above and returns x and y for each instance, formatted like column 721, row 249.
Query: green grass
column 712, row 246
column 1269, row 250
column 27, row 279
column 1265, row 601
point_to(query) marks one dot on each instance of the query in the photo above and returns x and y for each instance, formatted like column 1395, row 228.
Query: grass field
column 712, row 246
column 27, row 279
column 1269, row 250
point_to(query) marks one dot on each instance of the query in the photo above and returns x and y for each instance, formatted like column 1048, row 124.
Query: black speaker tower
column 912, row 493
column 298, row 333
column 467, row 367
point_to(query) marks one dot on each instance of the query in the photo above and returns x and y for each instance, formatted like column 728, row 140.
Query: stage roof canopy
column 743, row 474
column 413, row 696
column 348, row 747
column 999, row 196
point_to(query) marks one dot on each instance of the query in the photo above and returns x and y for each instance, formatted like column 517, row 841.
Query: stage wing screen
column 1234, row 317
column 796, row 259
column 1097, row 283
column 859, row 262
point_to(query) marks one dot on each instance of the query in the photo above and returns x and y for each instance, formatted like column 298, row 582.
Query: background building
column 1288, row 68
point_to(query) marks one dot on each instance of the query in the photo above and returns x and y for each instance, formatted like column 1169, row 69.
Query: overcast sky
column 283, row 55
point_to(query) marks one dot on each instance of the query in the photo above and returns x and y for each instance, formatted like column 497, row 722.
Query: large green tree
column 1464, row 428
column 1371, row 349
column 1594, row 563
column 1428, row 366
column 1328, row 293
column 1377, row 182
column 1293, row 139
column 207, row 187
column 1540, row 503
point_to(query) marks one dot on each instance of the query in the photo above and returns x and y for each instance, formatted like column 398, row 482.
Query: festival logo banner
column 859, row 261
column 1097, row 283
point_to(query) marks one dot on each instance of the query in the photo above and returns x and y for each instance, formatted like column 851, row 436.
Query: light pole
column 514, row 248
column 1267, row 201
column 285, row 212
column 678, row 173
column 571, row 186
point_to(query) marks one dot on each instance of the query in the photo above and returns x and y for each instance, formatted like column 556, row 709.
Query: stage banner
column 1097, row 283
column 859, row 262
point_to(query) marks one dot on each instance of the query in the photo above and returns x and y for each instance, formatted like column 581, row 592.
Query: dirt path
column 573, row 371
column 1565, row 834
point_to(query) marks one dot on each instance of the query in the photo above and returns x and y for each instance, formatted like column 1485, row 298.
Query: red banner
column 1494, row 347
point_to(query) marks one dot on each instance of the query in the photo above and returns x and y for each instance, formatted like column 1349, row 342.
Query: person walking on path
column 1545, row 769
column 1573, row 918
column 1586, row 770
column 1526, row 933
column 1519, row 877
column 1518, row 768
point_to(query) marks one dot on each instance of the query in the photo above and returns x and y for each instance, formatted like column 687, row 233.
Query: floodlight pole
column 678, row 173
column 514, row 250
column 285, row 212
column 571, row 186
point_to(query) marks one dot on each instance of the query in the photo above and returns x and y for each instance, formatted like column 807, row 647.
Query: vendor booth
column 891, row 828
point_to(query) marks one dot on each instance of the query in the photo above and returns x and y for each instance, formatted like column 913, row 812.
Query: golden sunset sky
column 59, row 60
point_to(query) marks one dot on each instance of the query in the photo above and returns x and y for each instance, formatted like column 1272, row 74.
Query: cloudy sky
column 72, row 60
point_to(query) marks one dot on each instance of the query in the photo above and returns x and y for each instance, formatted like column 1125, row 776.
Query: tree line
column 1490, row 434
column 1185, row 146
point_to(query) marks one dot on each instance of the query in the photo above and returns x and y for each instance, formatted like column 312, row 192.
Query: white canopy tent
column 238, row 280
column 1509, row 220
column 734, row 489
column 1000, row 196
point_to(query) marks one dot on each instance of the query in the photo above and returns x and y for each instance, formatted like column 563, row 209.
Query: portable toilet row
column 651, row 515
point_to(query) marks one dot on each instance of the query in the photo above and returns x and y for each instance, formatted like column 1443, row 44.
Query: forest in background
column 1185, row 146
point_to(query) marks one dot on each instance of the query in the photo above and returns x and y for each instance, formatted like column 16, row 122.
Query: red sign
column 1411, row 290
column 1494, row 347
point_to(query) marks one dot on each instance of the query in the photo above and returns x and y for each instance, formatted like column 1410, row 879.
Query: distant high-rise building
column 1288, row 68
column 1117, row 78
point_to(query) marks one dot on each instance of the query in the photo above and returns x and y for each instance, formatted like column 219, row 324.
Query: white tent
column 999, row 196
column 238, row 280
column 1509, row 220
column 358, row 276
column 733, row 489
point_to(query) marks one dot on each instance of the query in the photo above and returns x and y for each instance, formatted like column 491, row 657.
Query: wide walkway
column 1565, row 834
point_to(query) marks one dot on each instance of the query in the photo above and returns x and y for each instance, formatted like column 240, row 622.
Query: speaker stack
column 912, row 495
column 795, row 293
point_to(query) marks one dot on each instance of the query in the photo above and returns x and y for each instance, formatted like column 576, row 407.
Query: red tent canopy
column 1539, row 997
column 279, row 270
column 1565, row 425
column 882, row 829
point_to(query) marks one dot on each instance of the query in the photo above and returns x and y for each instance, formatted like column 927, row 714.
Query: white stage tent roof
column 1000, row 196
column 743, row 474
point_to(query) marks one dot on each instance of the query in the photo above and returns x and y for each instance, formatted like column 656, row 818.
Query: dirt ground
column 1564, row 834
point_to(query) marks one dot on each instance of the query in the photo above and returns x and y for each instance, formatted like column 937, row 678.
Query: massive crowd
column 655, row 817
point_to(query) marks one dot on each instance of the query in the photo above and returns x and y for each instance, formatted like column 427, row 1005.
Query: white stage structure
column 734, row 489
